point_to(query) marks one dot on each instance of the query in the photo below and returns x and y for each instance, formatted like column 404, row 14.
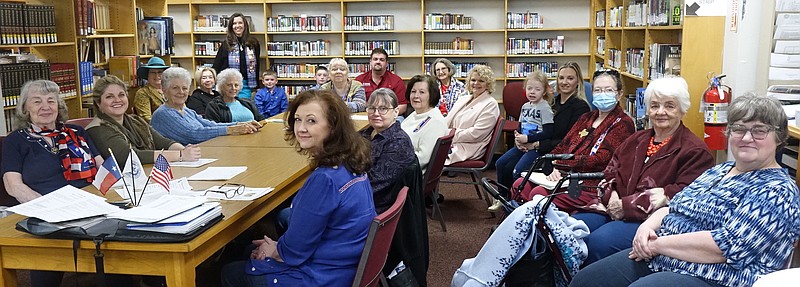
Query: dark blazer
column 199, row 100
column 219, row 112
column 410, row 242
column 564, row 117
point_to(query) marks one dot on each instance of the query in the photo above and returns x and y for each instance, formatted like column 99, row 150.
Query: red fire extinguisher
column 714, row 107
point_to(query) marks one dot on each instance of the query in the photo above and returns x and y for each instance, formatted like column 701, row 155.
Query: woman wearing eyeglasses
column 592, row 139
column 735, row 222
column 648, row 169
column 449, row 87
column 349, row 90
column 391, row 147
column 473, row 116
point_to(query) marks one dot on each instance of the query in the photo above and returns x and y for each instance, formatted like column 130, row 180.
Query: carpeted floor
column 468, row 226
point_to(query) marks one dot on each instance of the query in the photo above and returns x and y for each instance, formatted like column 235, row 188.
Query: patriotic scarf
column 76, row 159
column 234, row 59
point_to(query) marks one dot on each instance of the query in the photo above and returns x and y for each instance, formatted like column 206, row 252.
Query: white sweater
column 424, row 132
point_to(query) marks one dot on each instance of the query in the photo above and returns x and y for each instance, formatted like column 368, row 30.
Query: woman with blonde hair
column 473, row 116
column 206, row 79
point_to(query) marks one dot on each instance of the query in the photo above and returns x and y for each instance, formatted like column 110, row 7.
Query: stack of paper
column 64, row 204
column 183, row 223
column 162, row 208
column 539, row 178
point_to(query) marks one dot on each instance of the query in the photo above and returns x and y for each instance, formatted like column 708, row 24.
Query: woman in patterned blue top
column 737, row 221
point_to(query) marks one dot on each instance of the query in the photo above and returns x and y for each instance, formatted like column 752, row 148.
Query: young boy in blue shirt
column 270, row 100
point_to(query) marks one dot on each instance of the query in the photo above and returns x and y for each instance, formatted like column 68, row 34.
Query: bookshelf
column 700, row 39
column 489, row 32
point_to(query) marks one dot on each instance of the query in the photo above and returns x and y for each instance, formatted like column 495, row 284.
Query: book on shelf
column 364, row 48
column 521, row 70
column 299, row 23
column 369, row 23
column 156, row 36
column 301, row 70
column 458, row 46
column 665, row 12
column 14, row 75
column 85, row 17
column 22, row 23
column 637, row 14
column 206, row 48
column 527, row 20
column 124, row 67
column 528, row 46
column 86, row 78
column 634, row 61
column 299, row 48
column 665, row 59
column 447, row 21
column 360, row 68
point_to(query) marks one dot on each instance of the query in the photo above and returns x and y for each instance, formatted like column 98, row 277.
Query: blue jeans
column 233, row 275
column 617, row 270
column 511, row 164
column 606, row 236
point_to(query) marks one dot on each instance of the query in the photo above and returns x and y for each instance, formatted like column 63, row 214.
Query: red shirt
column 388, row 80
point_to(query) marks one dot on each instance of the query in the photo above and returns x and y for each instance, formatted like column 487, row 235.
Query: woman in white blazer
column 473, row 116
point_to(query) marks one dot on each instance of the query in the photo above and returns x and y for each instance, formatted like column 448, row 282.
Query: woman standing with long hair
column 240, row 51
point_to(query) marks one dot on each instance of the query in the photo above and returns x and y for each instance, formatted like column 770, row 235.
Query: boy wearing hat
column 149, row 97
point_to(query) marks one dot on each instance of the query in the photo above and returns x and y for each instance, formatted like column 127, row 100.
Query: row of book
column 637, row 14
column 601, row 45
column 63, row 74
column 521, row 70
column 206, row 48
column 456, row 47
column 302, row 70
column 85, row 17
column 600, row 18
column 665, row 59
column 156, row 36
column 86, row 79
column 299, row 48
column 634, row 61
column 299, row 23
column 293, row 90
column 14, row 75
column 364, row 48
column 614, row 58
column 447, row 21
column 615, row 16
column 124, row 67
column 360, row 68
column 528, row 46
column 27, row 24
column 210, row 23
column 527, row 20
column 369, row 23
column 665, row 12
column 461, row 69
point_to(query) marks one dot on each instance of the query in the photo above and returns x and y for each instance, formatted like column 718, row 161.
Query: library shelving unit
column 700, row 39
column 62, row 51
column 406, row 28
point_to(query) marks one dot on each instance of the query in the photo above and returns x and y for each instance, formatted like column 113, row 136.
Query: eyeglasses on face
column 380, row 110
column 230, row 190
column 607, row 90
column 758, row 132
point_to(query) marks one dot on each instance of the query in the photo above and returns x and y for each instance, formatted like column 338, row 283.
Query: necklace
column 652, row 148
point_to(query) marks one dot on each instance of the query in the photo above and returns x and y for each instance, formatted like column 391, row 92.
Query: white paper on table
column 359, row 117
column 154, row 191
column 159, row 209
column 249, row 193
column 218, row 173
column 274, row 120
column 787, row 47
column 198, row 163
column 64, row 204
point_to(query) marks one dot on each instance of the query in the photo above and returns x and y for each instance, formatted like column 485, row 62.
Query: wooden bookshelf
column 701, row 40
column 570, row 19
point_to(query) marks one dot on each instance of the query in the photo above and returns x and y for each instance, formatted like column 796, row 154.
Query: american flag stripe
column 162, row 172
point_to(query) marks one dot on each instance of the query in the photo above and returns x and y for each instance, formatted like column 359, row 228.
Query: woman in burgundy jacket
column 648, row 169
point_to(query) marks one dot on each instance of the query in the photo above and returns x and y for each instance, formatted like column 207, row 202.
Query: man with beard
column 381, row 77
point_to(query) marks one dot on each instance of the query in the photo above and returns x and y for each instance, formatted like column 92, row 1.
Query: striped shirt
column 753, row 217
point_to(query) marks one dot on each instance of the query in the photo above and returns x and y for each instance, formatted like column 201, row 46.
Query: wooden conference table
column 794, row 132
column 277, row 166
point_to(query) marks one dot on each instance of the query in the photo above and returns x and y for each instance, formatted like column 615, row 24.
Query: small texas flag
column 107, row 176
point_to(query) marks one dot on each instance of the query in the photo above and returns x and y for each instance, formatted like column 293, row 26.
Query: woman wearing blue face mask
column 592, row 139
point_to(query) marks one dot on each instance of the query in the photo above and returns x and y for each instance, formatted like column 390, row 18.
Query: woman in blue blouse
column 735, row 222
column 331, row 213
column 175, row 121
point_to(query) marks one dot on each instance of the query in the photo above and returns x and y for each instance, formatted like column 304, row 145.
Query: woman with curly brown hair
column 331, row 213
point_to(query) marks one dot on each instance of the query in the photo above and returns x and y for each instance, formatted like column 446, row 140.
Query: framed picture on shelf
column 152, row 36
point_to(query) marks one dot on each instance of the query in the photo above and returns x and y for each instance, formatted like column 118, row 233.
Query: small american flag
column 161, row 172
